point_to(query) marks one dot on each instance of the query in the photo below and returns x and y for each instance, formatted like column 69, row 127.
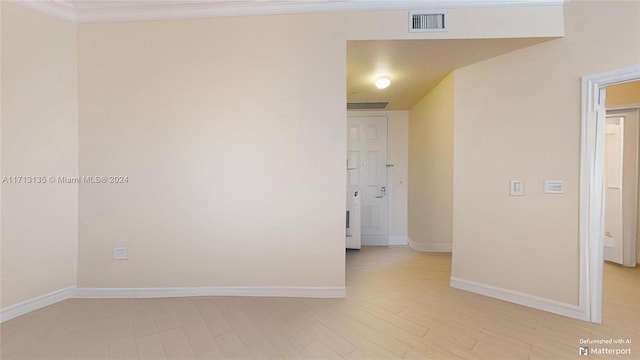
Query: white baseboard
column 281, row 291
column 430, row 247
column 72, row 292
column 36, row 303
column 532, row 301
column 398, row 240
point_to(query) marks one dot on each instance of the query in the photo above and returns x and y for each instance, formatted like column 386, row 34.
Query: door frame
column 591, row 187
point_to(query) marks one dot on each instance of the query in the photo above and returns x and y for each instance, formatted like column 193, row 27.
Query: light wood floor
column 399, row 306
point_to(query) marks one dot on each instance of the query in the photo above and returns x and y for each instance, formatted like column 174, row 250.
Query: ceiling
column 135, row 10
column 415, row 66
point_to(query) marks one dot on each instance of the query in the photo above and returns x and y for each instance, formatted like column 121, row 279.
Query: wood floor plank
column 392, row 318
column 197, row 332
column 398, row 305
column 144, row 322
column 321, row 352
column 164, row 314
column 100, row 351
column 215, row 322
column 150, row 347
column 248, row 333
column 373, row 329
column 108, row 329
column 327, row 336
column 358, row 355
column 231, row 346
column 416, row 343
column 274, row 333
column 413, row 354
column 176, row 345
column 123, row 348
column 365, row 343
column 282, row 316
column 490, row 352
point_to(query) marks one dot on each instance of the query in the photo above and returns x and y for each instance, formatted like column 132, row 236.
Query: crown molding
column 138, row 10
column 61, row 9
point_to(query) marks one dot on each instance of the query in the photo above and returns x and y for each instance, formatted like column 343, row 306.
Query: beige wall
column 234, row 145
column 39, row 138
column 623, row 94
column 231, row 133
column 398, row 136
column 517, row 116
column 431, row 169
column 398, row 175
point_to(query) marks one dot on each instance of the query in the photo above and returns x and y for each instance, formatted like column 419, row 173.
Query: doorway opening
column 592, row 186
column 621, row 185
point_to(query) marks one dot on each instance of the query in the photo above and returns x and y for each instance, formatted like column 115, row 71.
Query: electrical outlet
column 120, row 253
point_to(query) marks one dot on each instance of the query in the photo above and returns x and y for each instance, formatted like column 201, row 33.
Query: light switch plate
column 516, row 188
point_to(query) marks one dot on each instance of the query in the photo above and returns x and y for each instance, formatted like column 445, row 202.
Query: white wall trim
column 38, row 302
column 375, row 240
column 111, row 11
column 532, row 301
column 623, row 107
column 73, row 292
column 55, row 8
column 430, row 247
column 591, row 186
column 267, row 291
column 398, row 240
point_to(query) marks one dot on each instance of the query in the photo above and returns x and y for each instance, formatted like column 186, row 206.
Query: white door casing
column 367, row 174
column 591, row 186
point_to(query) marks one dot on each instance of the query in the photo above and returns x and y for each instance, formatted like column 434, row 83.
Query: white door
column 613, row 156
column 622, row 136
column 367, row 174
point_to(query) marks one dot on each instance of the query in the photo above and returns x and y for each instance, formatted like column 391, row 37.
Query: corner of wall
column 430, row 208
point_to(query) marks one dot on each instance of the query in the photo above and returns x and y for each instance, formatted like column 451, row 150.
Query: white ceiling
column 415, row 66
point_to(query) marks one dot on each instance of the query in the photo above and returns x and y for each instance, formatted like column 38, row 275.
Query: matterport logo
column 603, row 350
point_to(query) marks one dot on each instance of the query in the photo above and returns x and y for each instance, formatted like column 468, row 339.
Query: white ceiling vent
column 367, row 105
column 428, row 20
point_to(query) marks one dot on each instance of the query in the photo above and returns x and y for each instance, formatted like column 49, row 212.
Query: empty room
column 176, row 174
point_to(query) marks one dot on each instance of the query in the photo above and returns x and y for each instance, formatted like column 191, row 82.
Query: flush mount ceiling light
column 383, row 82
